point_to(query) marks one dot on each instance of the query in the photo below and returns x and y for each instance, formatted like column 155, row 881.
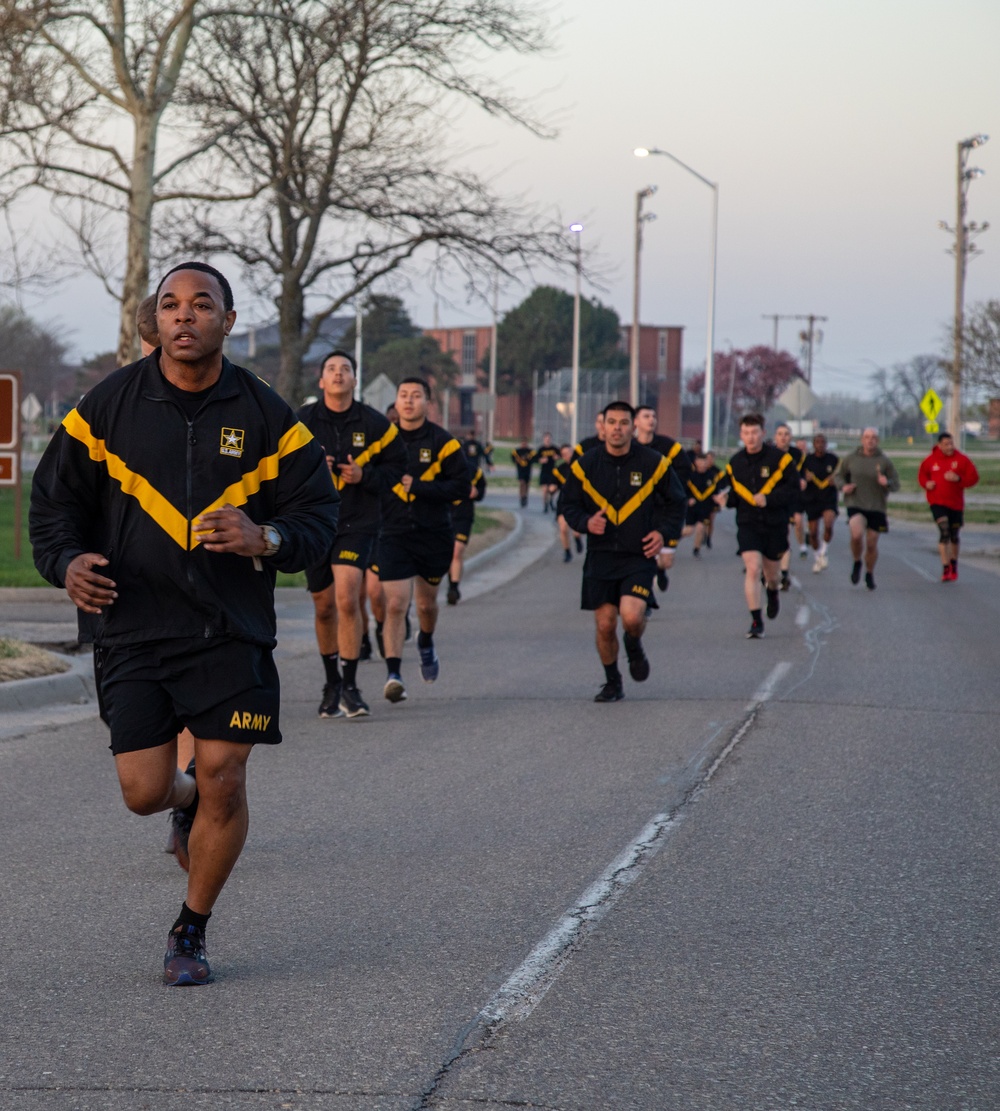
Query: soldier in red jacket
column 946, row 474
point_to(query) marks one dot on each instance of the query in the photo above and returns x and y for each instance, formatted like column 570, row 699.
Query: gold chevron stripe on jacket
column 432, row 471
column 768, row 486
column 619, row 516
column 369, row 453
column 166, row 515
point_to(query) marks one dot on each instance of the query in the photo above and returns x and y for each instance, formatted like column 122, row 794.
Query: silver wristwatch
column 272, row 540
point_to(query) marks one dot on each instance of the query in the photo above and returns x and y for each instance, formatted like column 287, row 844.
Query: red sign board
column 8, row 468
column 10, row 408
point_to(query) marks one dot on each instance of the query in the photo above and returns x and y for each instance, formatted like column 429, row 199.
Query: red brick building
column 660, row 367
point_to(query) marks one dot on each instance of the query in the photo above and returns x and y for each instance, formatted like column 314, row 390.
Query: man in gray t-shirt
column 866, row 477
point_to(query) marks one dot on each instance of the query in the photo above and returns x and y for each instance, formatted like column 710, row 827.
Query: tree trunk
column 140, row 214
column 291, row 314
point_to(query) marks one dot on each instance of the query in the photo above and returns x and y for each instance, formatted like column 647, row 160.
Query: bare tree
column 332, row 115
column 85, row 92
column 900, row 389
column 981, row 346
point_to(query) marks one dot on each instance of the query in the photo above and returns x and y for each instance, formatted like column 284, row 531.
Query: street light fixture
column 964, row 246
column 640, row 219
column 574, row 419
column 706, row 428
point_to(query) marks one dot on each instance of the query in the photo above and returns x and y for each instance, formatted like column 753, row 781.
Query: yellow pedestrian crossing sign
column 930, row 406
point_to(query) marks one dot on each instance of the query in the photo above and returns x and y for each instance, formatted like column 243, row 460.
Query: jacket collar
column 153, row 381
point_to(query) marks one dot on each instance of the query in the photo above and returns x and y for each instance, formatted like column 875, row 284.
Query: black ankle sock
column 755, row 614
column 350, row 673
column 631, row 644
column 611, row 673
column 954, row 565
column 189, row 917
column 424, row 640
column 330, row 666
column 393, row 664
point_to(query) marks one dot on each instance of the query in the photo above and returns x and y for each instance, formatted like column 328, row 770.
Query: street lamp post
column 633, row 369
column 491, row 415
column 706, row 424
column 574, row 417
column 963, row 248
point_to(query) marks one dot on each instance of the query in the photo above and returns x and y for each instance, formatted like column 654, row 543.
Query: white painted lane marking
column 802, row 617
column 919, row 570
column 766, row 689
column 528, row 984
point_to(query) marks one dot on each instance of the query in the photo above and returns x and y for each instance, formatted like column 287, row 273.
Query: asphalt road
column 765, row 880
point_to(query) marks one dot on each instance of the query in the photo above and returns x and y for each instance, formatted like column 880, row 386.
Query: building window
column 469, row 355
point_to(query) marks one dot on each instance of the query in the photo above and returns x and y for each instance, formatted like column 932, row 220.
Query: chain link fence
column 553, row 401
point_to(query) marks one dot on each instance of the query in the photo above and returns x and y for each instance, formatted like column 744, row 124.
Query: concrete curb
column 494, row 551
column 69, row 687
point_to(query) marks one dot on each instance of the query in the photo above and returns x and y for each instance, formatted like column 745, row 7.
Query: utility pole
column 640, row 219
column 775, row 317
column 964, row 246
column 808, row 337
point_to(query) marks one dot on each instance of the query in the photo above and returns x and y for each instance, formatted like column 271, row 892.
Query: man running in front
column 866, row 477
column 629, row 501
column 945, row 475
column 164, row 504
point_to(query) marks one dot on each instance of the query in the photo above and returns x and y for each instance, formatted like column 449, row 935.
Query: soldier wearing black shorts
column 366, row 459
column 416, row 542
column 820, row 498
column 783, row 442
column 702, row 490
column 672, row 450
column 463, row 516
column 546, row 456
column 630, row 503
column 762, row 483
column 523, row 457
column 164, row 504
column 561, row 475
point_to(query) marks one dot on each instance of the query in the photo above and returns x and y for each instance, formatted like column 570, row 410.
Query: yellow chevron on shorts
column 169, row 518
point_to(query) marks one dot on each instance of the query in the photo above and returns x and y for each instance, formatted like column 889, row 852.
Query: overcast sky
column 831, row 128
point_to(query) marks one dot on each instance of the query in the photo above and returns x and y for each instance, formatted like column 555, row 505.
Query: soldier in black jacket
column 783, row 442
column 546, row 455
column 645, row 433
column 631, row 505
column 463, row 516
column 366, row 458
column 415, row 542
column 164, row 505
column 523, row 457
column 762, row 483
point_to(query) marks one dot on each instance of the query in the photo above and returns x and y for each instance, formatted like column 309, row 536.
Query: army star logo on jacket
column 765, row 472
column 358, row 439
column 425, row 455
column 231, row 442
column 635, row 479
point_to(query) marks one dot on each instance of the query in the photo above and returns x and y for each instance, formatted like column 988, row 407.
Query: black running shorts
column 462, row 517
column 770, row 540
column 402, row 556
column 875, row 521
column 699, row 512
column 956, row 518
column 353, row 550
column 821, row 502
column 219, row 689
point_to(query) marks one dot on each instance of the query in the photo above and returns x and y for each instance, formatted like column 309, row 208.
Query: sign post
column 10, row 444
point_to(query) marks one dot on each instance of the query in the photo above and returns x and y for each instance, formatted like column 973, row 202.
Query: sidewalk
column 45, row 616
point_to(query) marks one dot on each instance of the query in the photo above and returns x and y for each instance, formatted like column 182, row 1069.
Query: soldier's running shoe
column 454, row 594
column 567, row 555
column 773, row 604
column 869, row 580
column 662, row 581
column 612, row 691
column 329, row 707
column 186, row 960
column 638, row 663
column 366, row 647
column 352, row 704
column 430, row 665
column 394, row 691
column 856, row 572
column 181, row 820
column 756, row 631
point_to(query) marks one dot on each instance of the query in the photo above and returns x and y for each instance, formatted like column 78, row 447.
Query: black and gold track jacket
column 639, row 493
column 373, row 442
column 127, row 473
column 671, row 449
column 440, row 478
column 770, row 472
column 703, row 485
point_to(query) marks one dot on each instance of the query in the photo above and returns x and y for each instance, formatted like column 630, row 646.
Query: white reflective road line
column 802, row 617
column 919, row 570
column 528, row 984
